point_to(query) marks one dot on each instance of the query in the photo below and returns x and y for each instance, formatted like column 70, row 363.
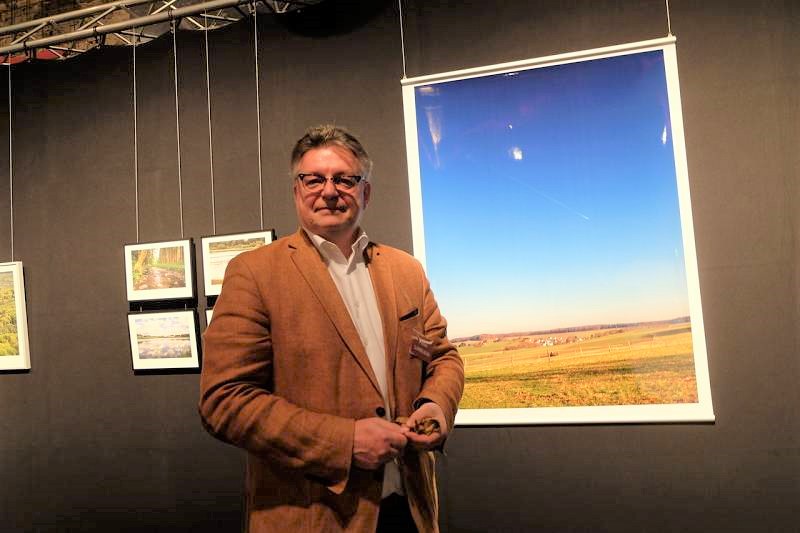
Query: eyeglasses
column 316, row 182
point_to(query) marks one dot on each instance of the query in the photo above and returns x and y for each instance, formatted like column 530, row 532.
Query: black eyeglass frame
column 336, row 180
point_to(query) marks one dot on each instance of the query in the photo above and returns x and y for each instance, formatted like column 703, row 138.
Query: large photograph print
column 550, row 207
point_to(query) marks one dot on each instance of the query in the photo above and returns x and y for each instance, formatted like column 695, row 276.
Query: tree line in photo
column 236, row 244
column 9, row 343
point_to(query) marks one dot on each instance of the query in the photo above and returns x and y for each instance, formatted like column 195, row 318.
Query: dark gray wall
column 87, row 446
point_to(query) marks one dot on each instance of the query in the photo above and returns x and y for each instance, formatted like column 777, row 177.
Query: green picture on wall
column 14, row 351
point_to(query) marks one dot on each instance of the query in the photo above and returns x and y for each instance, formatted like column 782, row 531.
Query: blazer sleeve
column 236, row 403
column 444, row 376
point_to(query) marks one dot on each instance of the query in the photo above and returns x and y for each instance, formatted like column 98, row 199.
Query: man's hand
column 426, row 442
column 377, row 441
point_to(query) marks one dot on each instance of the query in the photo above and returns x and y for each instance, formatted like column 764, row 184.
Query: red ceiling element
column 20, row 57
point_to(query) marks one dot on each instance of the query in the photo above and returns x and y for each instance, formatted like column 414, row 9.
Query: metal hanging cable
column 258, row 119
column 10, row 163
column 135, row 142
column 210, row 136
column 402, row 37
column 669, row 23
column 177, row 120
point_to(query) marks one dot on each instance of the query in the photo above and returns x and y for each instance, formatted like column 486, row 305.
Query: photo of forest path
column 159, row 268
column 630, row 364
column 9, row 343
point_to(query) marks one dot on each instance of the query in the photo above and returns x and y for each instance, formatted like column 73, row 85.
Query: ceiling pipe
column 164, row 16
column 78, row 13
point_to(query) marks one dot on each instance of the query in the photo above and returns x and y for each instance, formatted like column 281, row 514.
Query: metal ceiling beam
column 71, row 15
column 98, row 30
column 93, row 23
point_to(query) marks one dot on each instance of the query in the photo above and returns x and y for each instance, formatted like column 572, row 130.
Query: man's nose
column 329, row 190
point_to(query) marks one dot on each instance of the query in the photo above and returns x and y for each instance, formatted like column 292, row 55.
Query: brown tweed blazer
column 285, row 376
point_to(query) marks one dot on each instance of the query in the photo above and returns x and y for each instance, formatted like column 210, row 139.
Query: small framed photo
column 14, row 350
column 159, row 271
column 218, row 250
column 164, row 340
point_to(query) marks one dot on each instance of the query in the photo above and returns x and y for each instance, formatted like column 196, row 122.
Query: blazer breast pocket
column 408, row 315
column 410, row 363
column 413, row 342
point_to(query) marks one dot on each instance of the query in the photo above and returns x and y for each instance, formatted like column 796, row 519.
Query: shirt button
column 380, row 411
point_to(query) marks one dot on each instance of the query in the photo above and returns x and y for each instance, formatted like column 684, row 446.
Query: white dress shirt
column 352, row 278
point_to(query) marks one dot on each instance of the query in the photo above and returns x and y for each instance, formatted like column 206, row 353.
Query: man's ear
column 367, row 192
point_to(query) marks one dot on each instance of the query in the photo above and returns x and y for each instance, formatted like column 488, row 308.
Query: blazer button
column 380, row 411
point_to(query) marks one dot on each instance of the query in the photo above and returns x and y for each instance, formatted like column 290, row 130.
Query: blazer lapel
column 307, row 260
column 383, row 284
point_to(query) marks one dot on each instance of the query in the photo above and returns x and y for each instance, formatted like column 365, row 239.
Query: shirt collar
column 331, row 252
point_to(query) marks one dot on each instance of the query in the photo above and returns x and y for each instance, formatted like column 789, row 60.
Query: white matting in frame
column 164, row 340
column 159, row 271
column 14, row 348
column 218, row 250
column 571, row 172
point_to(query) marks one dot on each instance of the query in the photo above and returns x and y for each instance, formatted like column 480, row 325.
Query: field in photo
column 632, row 364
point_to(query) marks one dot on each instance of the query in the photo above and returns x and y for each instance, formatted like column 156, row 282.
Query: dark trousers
column 395, row 516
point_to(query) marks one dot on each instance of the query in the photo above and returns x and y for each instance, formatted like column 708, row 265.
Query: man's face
column 330, row 213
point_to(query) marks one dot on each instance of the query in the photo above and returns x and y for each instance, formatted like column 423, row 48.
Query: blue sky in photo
column 550, row 198
column 155, row 326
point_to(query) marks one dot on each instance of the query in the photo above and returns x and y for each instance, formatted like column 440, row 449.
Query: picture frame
column 218, row 250
column 571, row 172
column 164, row 340
column 159, row 270
column 14, row 346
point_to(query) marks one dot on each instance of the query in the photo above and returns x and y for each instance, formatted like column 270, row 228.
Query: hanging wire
column 669, row 24
column 402, row 37
column 258, row 118
column 177, row 119
column 210, row 140
column 135, row 141
column 10, row 162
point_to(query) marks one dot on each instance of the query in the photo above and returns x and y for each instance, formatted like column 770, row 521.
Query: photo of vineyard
column 630, row 364
column 9, row 343
column 158, row 268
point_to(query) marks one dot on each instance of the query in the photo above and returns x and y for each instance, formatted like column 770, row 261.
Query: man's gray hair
column 326, row 135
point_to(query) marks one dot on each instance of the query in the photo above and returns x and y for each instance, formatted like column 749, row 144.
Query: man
column 319, row 343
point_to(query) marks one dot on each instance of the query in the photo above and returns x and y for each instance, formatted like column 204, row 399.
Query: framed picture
column 164, row 340
column 14, row 349
column 550, row 206
column 159, row 271
column 218, row 250
column 209, row 314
